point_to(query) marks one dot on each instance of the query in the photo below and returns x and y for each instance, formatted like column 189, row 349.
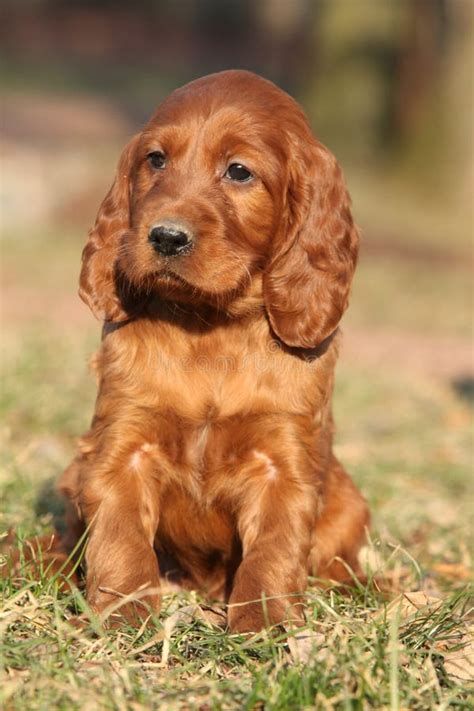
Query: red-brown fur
column 209, row 459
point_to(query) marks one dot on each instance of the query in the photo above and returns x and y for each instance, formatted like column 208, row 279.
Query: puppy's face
column 206, row 188
column 224, row 182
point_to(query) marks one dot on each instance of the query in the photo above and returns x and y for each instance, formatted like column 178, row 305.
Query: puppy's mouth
column 167, row 277
column 171, row 285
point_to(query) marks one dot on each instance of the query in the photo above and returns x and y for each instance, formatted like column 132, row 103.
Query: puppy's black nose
column 169, row 240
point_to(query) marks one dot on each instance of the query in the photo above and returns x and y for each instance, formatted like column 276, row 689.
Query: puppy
column 220, row 263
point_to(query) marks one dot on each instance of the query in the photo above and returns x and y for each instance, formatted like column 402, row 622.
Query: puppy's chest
column 199, row 377
column 199, row 397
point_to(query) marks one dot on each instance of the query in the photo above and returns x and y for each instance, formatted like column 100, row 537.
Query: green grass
column 361, row 658
column 406, row 437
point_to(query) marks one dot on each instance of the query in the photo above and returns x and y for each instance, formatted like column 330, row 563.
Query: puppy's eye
column 157, row 160
column 239, row 173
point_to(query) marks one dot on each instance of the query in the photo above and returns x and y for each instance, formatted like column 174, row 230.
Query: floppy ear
column 307, row 282
column 99, row 284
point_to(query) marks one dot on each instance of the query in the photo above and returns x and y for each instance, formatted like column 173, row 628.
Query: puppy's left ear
column 308, row 279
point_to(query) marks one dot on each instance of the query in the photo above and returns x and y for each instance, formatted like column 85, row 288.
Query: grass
column 353, row 663
column 404, row 434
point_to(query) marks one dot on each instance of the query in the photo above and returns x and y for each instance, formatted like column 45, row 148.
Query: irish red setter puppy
column 220, row 262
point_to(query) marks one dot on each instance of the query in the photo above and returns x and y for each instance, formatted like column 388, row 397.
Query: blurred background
column 387, row 85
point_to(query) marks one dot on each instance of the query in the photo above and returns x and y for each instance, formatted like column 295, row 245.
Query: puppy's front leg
column 120, row 503
column 274, row 522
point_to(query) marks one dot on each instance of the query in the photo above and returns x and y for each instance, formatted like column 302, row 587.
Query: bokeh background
column 388, row 87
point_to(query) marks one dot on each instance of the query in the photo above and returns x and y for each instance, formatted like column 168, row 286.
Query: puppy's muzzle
column 170, row 240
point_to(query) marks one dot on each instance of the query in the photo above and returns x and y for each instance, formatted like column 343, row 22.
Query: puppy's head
column 225, row 182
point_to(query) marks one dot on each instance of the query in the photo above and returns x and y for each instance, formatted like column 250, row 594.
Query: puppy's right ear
column 98, row 286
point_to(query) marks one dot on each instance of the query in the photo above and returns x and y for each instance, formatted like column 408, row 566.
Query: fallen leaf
column 408, row 604
column 460, row 665
column 302, row 645
column 459, row 661
column 213, row 615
